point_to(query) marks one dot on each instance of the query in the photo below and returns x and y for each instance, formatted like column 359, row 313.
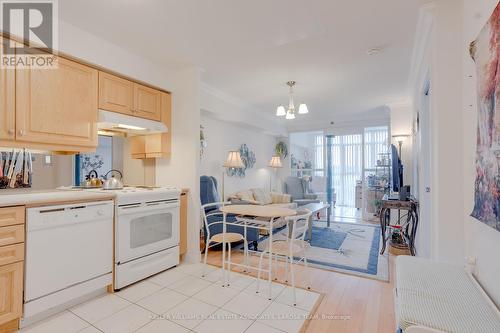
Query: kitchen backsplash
column 52, row 171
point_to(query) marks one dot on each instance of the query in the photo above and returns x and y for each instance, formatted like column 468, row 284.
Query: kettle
column 92, row 180
column 112, row 183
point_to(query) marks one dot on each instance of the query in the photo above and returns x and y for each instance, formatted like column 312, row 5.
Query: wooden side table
column 408, row 228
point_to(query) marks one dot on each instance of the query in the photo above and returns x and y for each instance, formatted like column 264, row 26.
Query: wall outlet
column 470, row 264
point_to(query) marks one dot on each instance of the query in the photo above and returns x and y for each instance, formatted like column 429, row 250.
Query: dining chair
column 216, row 217
column 292, row 249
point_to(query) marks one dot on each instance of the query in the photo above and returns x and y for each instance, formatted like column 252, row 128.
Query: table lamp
column 233, row 161
column 275, row 163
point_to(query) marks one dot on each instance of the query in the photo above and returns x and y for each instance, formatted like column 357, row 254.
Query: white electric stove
column 147, row 223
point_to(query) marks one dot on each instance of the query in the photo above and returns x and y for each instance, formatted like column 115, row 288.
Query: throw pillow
column 262, row 196
column 245, row 195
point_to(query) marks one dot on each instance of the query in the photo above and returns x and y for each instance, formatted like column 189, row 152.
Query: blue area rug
column 351, row 248
column 327, row 238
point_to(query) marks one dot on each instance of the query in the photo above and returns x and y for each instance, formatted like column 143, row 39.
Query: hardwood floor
column 350, row 304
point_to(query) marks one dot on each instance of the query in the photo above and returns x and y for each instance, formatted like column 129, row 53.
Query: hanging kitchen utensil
column 8, row 162
column 1, row 164
column 5, row 164
column 30, row 167
column 3, row 178
column 12, row 164
column 25, row 168
column 16, row 170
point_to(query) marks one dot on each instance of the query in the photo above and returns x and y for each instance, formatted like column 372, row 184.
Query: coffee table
column 315, row 208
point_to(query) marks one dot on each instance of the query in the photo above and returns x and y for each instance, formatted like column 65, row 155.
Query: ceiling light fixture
column 290, row 112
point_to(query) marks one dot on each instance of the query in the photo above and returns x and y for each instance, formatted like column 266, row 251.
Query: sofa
column 260, row 196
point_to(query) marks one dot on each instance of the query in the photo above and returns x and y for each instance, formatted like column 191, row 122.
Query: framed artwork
column 485, row 52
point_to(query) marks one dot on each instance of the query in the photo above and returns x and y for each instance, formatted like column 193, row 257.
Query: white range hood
column 117, row 122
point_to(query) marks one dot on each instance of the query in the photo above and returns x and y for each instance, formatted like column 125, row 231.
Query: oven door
column 143, row 229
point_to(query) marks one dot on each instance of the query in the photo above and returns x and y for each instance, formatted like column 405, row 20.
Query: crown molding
column 225, row 107
column 380, row 116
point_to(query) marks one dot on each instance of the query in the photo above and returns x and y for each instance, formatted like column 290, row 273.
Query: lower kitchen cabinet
column 11, row 267
column 11, row 295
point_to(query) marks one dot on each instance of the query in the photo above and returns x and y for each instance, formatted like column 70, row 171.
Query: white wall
column 401, row 123
column 453, row 118
column 482, row 242
column 182, row 170
column 222, row 137
column 447, row 139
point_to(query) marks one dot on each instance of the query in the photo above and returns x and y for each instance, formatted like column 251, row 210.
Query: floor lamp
column 400, row 138
column 233, row 161
column 275, row 163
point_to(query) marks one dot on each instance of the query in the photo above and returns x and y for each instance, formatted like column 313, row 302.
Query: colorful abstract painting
column 485, row 51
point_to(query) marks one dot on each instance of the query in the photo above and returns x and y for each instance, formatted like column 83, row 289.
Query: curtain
column 376, row 142
column 347, row 167
column 318, row 155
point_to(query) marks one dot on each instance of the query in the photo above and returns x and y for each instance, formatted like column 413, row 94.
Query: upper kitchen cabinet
column 147, row 102
column 116, row 94
column 124, row 96
column 57, row 106
column 155, row 145
column 7, row 100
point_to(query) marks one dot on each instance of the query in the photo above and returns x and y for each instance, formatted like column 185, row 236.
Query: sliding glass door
column 347, row 167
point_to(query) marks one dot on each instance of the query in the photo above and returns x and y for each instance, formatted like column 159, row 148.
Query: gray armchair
column 298, row 188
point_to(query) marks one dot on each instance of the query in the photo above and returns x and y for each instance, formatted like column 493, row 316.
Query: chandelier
column 290, row 112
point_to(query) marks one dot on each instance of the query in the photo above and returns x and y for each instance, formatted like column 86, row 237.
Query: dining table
column 252, row 216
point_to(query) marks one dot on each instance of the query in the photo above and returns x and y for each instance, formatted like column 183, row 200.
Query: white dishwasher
column 69, row 253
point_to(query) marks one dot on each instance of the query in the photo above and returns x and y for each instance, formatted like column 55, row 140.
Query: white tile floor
column 181, row 300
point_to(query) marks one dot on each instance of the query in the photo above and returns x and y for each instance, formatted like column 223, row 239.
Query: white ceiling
column 249, row 49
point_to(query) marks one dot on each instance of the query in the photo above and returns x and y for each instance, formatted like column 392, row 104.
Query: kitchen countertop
column 33, row 198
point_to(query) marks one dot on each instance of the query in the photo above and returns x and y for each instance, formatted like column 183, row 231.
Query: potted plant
column 281, row 149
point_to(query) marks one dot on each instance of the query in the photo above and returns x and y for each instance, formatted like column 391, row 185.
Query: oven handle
column 152, row 206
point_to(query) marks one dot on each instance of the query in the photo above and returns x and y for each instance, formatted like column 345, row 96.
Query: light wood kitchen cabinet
column 7, row 100
column 116, row 94
column 11, row 267
column 183, row 221
column 120, row 95
column 11, row 253
column 147, row 102
column 57, row 106
column 155, row 145
column 11, row 216
column 11, row 295
column 11, row 234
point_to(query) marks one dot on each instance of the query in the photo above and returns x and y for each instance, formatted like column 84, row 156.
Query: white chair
column 213, row 240
column 291, row 248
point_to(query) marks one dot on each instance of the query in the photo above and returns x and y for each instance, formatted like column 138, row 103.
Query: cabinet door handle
column 11, row 131
column 21, row 132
